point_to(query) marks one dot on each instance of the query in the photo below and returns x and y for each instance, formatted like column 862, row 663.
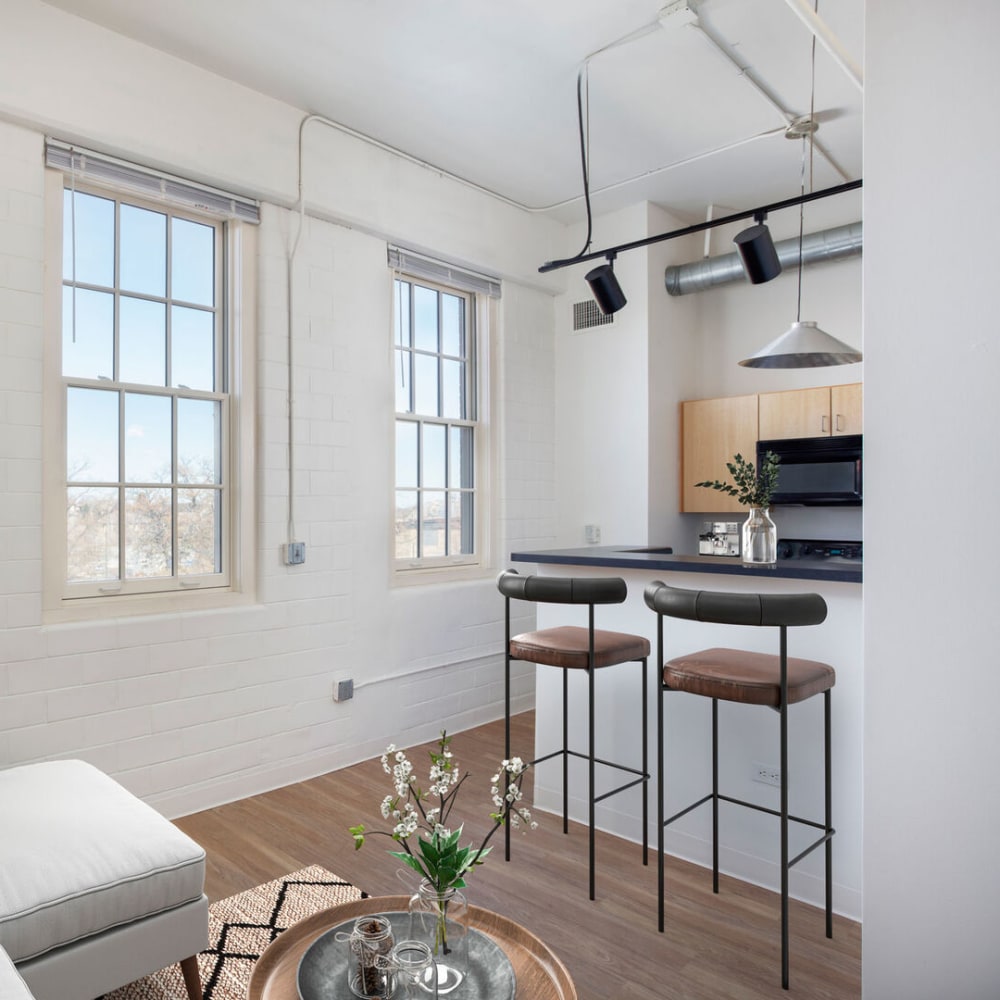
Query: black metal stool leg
column 565, row 750
column 645, row 763
column 829, row 814
column 784, row 807
column 715, row 795
column 660, row 769
column 590, row 724
column 506, row 726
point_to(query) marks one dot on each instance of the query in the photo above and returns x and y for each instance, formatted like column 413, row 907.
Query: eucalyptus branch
column 752, row 488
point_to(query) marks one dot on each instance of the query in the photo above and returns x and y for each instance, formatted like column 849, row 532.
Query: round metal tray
column 322, row 972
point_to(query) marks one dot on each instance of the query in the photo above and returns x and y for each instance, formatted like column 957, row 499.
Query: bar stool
column 571, row 647
column 748, row 678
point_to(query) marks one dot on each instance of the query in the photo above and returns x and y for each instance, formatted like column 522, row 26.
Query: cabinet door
column 846, row 409
column 712, row 432
column 796, row 413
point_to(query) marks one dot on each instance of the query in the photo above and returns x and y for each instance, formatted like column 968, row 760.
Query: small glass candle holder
column 415, row 971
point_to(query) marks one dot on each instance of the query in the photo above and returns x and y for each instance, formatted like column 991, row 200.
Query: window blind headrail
column 100, row 168
column 443, row 272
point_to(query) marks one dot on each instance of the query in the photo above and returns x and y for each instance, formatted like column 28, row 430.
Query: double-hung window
column 439, row 510
column 148, row 453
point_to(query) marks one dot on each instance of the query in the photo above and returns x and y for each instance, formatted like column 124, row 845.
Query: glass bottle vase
column 760, row 538
column 440, row 920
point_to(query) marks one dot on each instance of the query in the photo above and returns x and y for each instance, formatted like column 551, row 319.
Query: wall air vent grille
column 588, row 314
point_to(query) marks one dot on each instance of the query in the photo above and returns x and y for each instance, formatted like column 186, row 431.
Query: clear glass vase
column 440, row 920
column 760, row 538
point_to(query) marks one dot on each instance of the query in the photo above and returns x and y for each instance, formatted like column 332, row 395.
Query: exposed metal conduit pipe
column 719, row 45
column 830, row 244
column 829, row 41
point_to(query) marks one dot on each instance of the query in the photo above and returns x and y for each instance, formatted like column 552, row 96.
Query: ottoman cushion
column 81, row 854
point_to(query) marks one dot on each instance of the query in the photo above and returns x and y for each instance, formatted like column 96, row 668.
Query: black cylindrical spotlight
column 756, row 250
column 605, row 289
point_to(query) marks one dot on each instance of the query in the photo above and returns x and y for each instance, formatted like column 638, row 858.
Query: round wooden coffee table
column 538, row 974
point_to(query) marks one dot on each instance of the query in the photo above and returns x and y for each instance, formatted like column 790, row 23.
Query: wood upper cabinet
column 846, row 409
column 712, row 432
column 823, row 412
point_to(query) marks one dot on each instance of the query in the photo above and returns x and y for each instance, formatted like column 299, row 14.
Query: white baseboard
column 366, row 735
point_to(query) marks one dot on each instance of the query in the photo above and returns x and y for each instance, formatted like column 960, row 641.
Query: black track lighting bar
column 700, row 227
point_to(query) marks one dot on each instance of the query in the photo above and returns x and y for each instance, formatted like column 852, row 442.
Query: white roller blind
column 101, row 169
column 444, row 273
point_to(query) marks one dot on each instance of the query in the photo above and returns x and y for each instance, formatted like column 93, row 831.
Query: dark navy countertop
column 651, row 558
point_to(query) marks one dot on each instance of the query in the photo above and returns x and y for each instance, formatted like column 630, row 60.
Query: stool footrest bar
column 758, row 808
column 621, row 788
column 811, row 848
column 597, row 760
column 684, row 812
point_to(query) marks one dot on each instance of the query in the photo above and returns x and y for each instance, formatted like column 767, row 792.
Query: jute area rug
column 239, row 929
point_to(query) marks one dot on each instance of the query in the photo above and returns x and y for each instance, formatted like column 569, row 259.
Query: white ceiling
column 487, row 91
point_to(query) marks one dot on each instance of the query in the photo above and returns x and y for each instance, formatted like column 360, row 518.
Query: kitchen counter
column 662, row 558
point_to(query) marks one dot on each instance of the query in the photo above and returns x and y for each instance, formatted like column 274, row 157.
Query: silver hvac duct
column 831, row 244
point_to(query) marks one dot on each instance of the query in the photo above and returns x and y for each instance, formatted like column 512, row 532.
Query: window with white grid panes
column 434, row 515
column 145, row 398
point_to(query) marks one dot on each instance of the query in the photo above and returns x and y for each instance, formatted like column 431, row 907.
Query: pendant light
column 804, row 344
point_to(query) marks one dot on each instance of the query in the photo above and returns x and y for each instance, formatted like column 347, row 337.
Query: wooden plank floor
column 724, row 946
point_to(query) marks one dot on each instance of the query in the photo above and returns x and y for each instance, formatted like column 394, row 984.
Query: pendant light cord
column 584, row 146
column 802, row 169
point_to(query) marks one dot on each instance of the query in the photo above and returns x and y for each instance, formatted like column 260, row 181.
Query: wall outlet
column 295, row 553
column 343, row 690
column 592, row 533
column 766, row 774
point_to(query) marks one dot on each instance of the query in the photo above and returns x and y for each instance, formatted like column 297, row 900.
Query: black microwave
column 818, row 472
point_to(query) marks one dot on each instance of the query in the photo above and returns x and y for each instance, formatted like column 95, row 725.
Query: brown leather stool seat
column 569, row 646
column 747, row 678
column 572, row 647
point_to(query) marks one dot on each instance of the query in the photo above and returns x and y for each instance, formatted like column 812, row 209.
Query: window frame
column 480, row 319
column 235, row 245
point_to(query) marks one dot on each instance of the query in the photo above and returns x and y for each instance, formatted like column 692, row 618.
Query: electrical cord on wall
column 290, row 356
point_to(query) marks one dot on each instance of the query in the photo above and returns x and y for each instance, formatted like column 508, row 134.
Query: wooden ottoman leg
column 192, row 978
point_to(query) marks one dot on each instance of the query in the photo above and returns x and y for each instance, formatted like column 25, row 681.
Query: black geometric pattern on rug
column 232, row 934
column 240, row 928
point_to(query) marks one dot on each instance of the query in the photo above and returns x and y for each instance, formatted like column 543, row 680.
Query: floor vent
column 588, row 314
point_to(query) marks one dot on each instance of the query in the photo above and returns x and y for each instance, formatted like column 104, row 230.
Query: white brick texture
column 190, row 710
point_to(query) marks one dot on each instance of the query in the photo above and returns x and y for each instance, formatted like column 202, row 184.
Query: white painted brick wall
column 194, row 709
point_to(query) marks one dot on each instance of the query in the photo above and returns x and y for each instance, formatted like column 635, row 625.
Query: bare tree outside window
column 434, row 370
column 145, row 397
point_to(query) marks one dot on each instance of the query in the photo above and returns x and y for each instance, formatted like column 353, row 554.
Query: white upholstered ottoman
column 96, row 887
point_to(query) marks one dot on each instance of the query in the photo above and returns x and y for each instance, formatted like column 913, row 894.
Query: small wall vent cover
column 587, row 314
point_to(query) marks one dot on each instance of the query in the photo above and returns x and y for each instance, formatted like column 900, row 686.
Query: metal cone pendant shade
column 803, row 345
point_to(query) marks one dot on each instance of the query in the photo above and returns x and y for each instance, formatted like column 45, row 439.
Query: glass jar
column 440, row 920
column 369, row 967
column 760, row 538
column 414, row 970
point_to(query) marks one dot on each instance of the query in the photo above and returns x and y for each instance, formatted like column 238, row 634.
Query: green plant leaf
column 411, row 861
column 752, row 488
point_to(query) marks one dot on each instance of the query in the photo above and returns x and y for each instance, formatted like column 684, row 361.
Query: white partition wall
column 932, row 409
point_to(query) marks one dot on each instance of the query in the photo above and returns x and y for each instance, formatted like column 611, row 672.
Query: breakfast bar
column 749, row 743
